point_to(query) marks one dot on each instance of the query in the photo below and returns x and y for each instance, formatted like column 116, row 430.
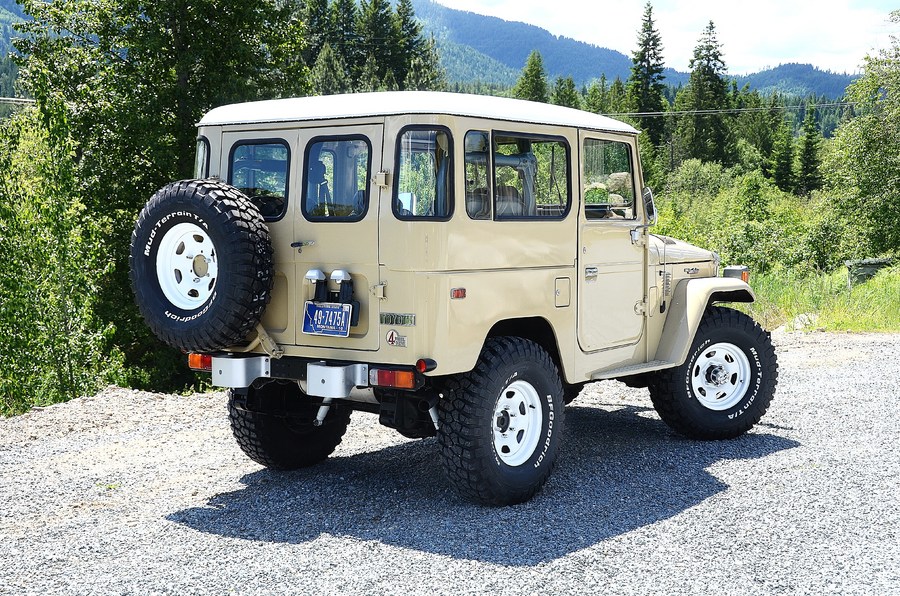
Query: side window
column 201, row 161
column 531, row 177
column 608, row 180
column 337, row 179
column 424, row 174
column 259, row 169
column 478, row 197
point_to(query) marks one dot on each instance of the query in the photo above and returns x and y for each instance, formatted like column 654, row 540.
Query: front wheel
column 501, row 423
column 727, row 382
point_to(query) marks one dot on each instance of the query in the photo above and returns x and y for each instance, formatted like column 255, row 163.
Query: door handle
column 591, row 273
column 299, row 245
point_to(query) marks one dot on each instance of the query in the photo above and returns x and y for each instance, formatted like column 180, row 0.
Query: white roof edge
column 390, row 103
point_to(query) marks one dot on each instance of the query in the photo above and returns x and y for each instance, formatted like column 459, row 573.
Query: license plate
column 327, row 318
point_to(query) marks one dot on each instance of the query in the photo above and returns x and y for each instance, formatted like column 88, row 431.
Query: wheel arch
column 536, row 329
column 689, row 301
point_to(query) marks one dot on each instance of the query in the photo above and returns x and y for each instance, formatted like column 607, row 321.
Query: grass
column 825, row 302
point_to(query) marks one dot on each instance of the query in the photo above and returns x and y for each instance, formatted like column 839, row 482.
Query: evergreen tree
column 595, row 102
column 342, row 17
column 408, row 42
column 369, row 79
column 565, row 93
column 425, row 71
column 783, row 159
column 329, row 74
column 316, row 18
column 809, row 177
column 375, row 39
column 645, row 85
column 532, row 84
column 705, row 136
column 616, row 98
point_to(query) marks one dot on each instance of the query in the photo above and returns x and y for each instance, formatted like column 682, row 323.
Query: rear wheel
column 274, row 427
column 501, row 423
column 727, row 382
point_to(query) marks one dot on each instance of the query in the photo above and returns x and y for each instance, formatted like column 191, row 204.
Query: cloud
column 831, row 34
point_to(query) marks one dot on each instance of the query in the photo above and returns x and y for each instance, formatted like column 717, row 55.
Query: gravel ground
column 130, row 492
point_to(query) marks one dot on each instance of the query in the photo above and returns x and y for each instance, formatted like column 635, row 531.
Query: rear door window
column 259, row 169
column 338, row 170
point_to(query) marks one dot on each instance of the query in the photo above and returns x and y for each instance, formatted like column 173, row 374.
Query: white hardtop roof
column 390, row 103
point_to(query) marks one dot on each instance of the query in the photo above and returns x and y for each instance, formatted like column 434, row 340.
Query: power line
column 16, row 100
column 733, row 110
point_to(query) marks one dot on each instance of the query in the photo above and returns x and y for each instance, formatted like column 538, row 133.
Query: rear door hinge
column 640, row 308
column 378, row 290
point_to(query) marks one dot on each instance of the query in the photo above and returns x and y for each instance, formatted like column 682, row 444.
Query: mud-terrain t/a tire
column 201, row 265
column 501, row 423
column 285, row 439
column 727, row 382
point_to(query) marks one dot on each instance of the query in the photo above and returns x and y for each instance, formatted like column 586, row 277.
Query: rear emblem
column 395, row 339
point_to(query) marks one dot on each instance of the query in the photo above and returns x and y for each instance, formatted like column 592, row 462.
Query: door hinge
column 383, row 179
column 640, row 308
column 378, row 290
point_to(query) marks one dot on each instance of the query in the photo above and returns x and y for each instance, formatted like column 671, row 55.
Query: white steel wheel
column 187, row 266
column 720, row 376
column 517, row 423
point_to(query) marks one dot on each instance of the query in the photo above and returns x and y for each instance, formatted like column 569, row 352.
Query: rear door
column 336, row 230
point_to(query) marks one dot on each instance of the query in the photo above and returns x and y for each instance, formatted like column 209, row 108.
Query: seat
column 509, row 202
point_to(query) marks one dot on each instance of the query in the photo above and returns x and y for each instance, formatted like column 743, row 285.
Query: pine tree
column 532, row 84
column 595, row 102
column 645, row 86
column 425, row 71
column 375, row 37
column 343, row 15
column 315, row 15
column 616, row 98
column 706, row 136
column 329, row 75
column 565, row 93
column 783, row 159
column 408, row 42
column 809, row 178
column 369, row 79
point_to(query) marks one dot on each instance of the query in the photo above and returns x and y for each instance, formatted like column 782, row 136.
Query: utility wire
column 16, row 100
column 733, row 110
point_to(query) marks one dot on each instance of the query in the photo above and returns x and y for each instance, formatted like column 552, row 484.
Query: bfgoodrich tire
column 201, row 265
column 501, row 423
column 279, row 432
column 727, row 382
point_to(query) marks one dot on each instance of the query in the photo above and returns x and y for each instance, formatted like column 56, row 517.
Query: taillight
column 202, row 362
column 399, row 379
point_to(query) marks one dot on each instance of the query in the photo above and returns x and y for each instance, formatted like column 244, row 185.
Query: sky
column 755, row 34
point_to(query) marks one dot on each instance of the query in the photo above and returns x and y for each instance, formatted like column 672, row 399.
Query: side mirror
column 650, row 206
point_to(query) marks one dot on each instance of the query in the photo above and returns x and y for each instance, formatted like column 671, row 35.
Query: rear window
column 259, row 169
column 337, row 170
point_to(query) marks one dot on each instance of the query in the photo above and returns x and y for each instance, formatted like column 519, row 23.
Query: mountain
column 488, row 49
column 798, row 79
column 508, row 44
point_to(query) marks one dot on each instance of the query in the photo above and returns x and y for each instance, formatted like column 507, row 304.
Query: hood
column 671, row 250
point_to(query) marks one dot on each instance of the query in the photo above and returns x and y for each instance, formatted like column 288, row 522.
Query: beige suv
column 458, row 265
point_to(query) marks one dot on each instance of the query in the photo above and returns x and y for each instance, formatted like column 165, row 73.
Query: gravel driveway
column 130, row 492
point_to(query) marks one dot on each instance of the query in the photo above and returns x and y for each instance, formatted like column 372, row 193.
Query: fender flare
column 689, row 301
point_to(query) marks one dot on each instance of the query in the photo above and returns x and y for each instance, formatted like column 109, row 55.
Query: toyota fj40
column 458, row 265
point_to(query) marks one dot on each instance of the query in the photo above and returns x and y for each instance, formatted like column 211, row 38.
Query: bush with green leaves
column 54, row 258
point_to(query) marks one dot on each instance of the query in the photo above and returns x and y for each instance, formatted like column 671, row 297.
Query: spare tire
column 201, row 265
